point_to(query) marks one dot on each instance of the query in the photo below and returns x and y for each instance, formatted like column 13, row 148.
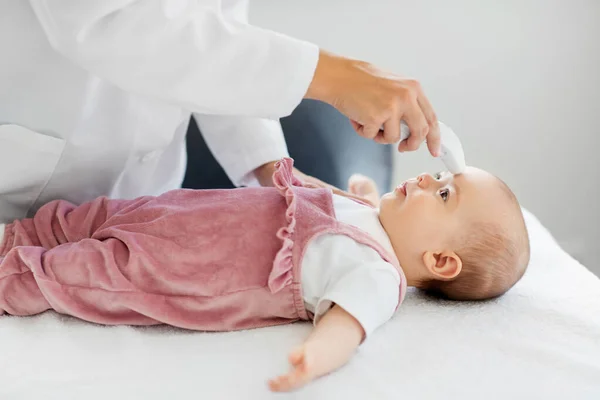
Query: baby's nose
column 425, row 180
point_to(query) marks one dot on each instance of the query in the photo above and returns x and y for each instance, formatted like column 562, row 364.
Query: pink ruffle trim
column 282, row 273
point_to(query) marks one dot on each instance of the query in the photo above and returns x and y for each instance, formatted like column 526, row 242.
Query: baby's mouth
column 401, row 188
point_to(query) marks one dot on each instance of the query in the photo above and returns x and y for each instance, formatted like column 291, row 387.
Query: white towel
column 541, row 340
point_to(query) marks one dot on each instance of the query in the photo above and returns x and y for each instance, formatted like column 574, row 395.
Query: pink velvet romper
column 211, row 260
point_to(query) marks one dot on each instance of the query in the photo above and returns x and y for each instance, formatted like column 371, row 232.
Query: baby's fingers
column 278, row 384
column 295, row 379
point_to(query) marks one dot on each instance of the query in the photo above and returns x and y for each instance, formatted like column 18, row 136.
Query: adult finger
column 356, row 126
column 391, row 129
column 418, row 126
column 366, row 131
column 370, row 131
column 433, row 137
column 402, row 146
column 434, row 141
column 380, row 139
column 425, row 105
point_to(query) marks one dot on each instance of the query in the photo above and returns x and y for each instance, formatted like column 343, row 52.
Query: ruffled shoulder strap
column 282, row 272
column 283, row 177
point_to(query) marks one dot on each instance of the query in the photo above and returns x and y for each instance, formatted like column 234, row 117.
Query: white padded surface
column 541, row 340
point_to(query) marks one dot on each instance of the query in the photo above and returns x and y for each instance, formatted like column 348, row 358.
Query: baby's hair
column 494, row 257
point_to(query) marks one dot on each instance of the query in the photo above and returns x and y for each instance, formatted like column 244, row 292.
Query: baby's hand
column 365, row 187
column 303, row 371
column 330, row 345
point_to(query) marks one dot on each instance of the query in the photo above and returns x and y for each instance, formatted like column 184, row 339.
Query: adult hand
column 376, row 102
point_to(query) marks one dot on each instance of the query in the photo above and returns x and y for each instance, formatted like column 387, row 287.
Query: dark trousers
column 320, row 140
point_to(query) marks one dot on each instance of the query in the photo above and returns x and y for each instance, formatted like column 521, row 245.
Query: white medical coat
column 96, row 95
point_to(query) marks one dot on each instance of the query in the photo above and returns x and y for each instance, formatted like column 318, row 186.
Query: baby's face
column 426, row 212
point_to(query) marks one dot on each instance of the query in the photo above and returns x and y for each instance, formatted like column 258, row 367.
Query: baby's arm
column 330, row 345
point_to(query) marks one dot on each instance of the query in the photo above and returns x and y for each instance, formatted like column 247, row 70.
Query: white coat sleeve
column 242, row 144
column 184, row 52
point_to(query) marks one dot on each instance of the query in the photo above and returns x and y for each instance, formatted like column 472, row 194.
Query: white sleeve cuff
column 240, row 144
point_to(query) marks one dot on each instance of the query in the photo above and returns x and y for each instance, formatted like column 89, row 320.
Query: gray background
column 518, row 81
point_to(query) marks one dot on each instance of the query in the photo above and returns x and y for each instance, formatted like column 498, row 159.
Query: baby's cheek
column 422, row 204
column 418, row 239
column 425, row 221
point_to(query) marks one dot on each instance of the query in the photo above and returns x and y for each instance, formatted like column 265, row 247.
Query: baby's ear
column 443, row 266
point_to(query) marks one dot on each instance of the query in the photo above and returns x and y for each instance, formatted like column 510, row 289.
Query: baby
column 219, row 260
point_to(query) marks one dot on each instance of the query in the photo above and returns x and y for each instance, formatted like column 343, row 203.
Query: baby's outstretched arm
column 330, row 345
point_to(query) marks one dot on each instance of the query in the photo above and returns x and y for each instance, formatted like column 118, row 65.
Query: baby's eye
column 444, row 193
column 438, row 175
